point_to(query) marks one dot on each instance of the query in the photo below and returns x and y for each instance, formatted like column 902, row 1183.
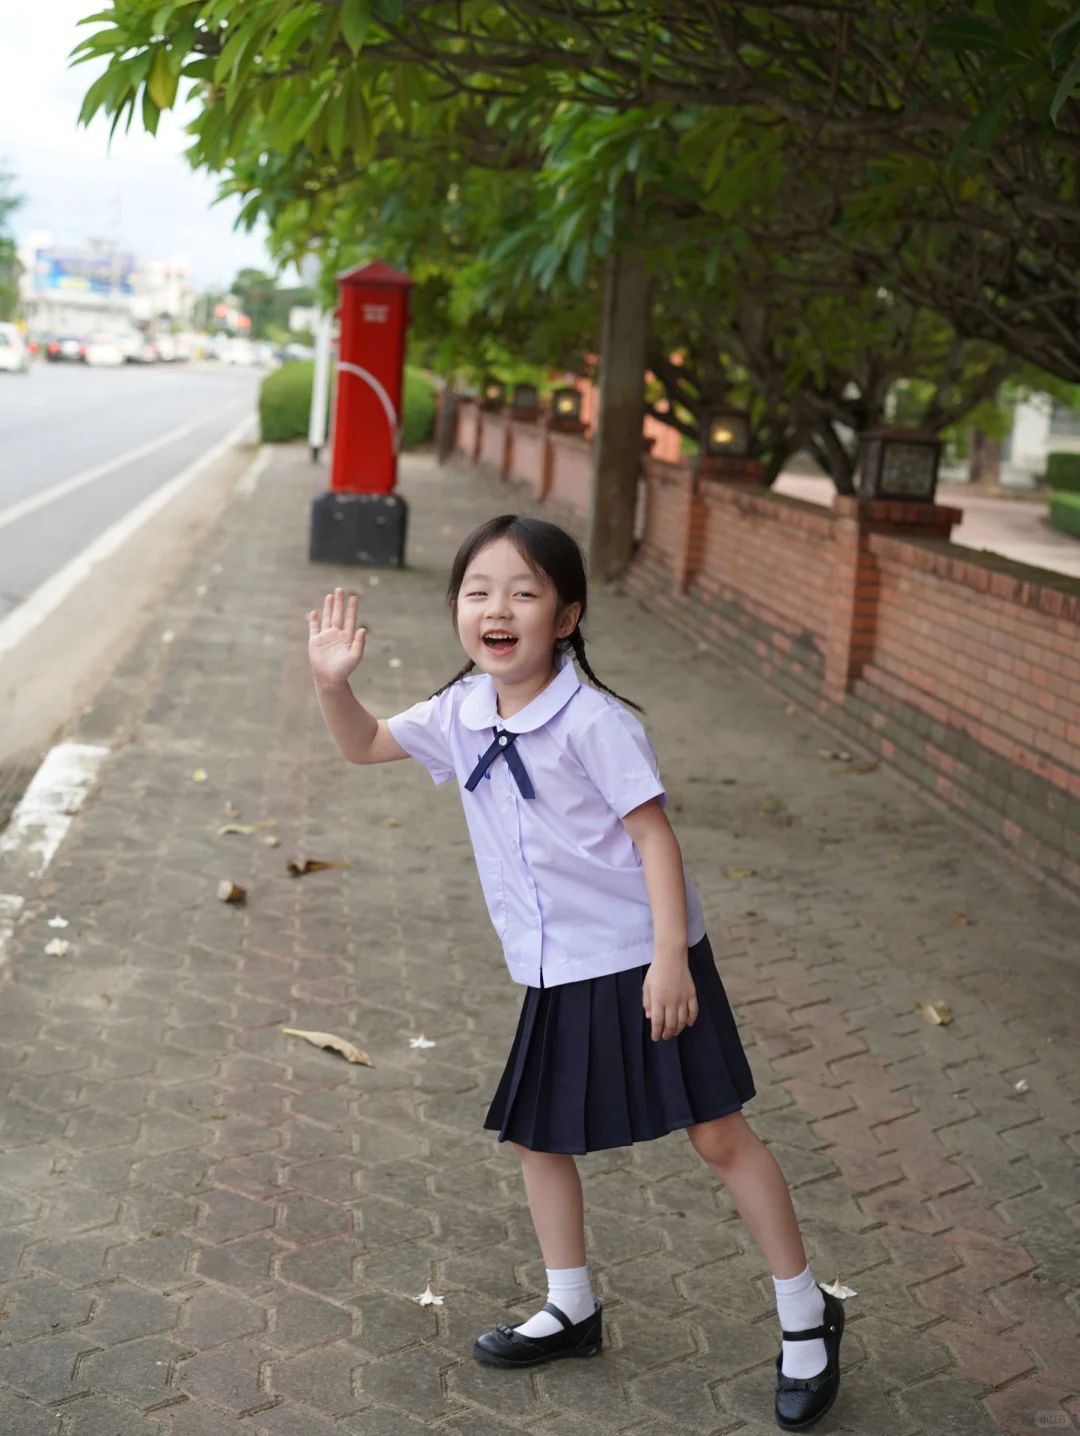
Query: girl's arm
column 669, row 996
column 335, row 648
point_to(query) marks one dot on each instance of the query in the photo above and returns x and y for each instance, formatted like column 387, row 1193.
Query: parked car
column 65, row 349
column 166, row 348
column 103, row 351
column 14, row 356
column 143, row 351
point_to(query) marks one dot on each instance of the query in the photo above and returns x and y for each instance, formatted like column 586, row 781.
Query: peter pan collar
column 478, row 707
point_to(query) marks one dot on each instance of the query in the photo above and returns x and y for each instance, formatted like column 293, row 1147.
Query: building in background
column 99, row 287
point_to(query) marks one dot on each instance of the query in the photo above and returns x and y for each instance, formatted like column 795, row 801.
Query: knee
column 719, row 1142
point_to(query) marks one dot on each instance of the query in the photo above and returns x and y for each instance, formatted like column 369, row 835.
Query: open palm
column 335, row 644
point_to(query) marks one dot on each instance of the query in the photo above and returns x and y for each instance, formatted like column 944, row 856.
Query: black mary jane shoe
column 506, row 1347
column 800, row 1403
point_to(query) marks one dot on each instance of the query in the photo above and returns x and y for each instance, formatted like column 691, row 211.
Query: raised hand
column 335, row 644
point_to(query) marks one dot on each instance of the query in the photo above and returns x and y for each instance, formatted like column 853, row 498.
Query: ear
column 568, row 620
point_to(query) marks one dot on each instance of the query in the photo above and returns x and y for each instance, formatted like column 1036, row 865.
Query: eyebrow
column 486, row 578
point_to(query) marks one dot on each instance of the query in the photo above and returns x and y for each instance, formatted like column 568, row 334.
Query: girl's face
column 508, row 617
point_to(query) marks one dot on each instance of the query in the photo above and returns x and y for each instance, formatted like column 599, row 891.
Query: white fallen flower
column 836, row 1288
column 395, row 663
column 58, row 921
column 59, row 947
column 420, row 1041
column 1022, row 1085
column 427, row 1297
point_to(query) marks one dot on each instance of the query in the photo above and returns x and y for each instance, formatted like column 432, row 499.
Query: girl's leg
column 553, row 1187
column 760, row 1192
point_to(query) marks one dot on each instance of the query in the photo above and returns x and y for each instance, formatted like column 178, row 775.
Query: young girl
column 625, row 1032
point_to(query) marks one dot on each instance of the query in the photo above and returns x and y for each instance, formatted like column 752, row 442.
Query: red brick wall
column 493, row 436
column 959, row 668
column 529, row 457
column 571, row 473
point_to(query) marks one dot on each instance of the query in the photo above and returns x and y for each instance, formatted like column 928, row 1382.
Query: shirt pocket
column 491, row 880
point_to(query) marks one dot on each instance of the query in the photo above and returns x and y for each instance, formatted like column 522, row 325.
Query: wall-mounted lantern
column 525, row 402
column 565, row 414
column 725, row 434
column 898, row 464
column 492, row 394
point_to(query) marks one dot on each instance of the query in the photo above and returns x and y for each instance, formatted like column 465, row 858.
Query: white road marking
column 60, row 786
column 248, row 481
column 48, row 597
column 14, row 512
column 41, row 820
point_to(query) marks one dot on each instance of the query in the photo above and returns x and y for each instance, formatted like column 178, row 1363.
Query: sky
column 75, row 185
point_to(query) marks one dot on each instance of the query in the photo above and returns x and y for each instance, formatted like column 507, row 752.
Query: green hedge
column 1065, row 513
column 1063, row 473
column 285, row 403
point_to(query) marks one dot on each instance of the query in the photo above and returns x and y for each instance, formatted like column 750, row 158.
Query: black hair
column 548, row 550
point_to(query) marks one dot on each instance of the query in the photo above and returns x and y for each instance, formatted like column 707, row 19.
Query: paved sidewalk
column 211, row 1228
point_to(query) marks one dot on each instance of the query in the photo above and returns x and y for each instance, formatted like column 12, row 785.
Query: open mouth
column 496, row 642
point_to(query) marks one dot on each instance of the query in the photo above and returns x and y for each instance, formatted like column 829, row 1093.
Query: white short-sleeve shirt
column 564, row 883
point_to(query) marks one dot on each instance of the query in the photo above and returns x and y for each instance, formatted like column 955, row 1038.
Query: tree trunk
column 985, row 464
column 447, row 422
column 617, row 445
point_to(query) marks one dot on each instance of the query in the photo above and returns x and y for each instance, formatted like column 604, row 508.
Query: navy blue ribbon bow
column 504, row 743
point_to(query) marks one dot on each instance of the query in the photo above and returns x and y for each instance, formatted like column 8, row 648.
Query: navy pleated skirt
column 584, row 1073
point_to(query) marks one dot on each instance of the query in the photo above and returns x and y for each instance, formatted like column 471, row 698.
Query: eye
column 476, row 593
column 524, row 593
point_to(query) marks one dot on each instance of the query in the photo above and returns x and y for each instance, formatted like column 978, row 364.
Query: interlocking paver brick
column 181, row 1183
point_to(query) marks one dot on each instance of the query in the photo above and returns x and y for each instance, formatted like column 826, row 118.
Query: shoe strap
column 554, row 1311
column 807, row 1335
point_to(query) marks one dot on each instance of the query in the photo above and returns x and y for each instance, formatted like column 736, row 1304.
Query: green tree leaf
column 355, row 23
column 1065, row 88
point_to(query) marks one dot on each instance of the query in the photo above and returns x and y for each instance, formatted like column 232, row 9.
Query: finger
column 339, row 607
column 692, row 1012
column 313, row 624
column 359, row 643
column 657, row 1016
column 327, row 610
column 350, row 617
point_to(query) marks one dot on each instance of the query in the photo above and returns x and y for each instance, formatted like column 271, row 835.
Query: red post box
column 361, row 519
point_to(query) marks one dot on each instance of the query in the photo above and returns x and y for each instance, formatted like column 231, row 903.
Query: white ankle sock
column 569, row 1290
column 800, row 1307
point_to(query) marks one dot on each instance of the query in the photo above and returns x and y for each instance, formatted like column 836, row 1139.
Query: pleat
column 584, row 1074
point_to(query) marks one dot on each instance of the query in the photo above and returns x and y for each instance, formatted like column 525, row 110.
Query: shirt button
column 503, row 741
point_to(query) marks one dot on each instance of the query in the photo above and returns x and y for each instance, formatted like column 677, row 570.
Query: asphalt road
column 65, row 419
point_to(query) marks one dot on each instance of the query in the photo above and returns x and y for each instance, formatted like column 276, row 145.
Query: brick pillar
column 856, row 581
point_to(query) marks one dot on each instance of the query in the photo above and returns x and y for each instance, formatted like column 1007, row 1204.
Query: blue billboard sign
column 69, row 272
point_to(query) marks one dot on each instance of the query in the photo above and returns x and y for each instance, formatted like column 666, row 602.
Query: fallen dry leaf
column 271, row 841
column 58, row 921
column 312, row 865
column 58, row 947
column 837, row 1288
column 199, row 776
column 421, row 1041
column 960, row 917
column 427, row 1297
column 1022, row 1085
column 838, row 753
column 334, row 1044
column 791, row 710
column 229, row 891
column 389, row 823
column 231, row 810
column 870, row 767
column 740, row 872
column 246, row 829
column 938, row 1014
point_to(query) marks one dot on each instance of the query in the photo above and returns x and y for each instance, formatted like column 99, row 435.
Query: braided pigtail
column 456, row 678
column 577, row 643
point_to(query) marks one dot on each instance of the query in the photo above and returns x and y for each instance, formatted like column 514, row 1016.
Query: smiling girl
column 625, row 1033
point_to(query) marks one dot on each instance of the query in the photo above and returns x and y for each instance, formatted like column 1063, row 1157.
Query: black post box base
column 359, row 529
